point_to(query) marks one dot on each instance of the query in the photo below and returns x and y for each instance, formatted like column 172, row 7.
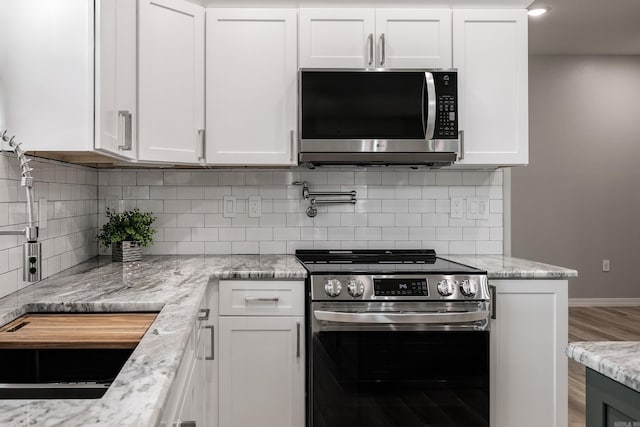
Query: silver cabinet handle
column 431, row 105
column 261, row 299
column 370, row 39
column 201, row 148
column 203, row 314
column 298, row 339
column 124, row 130
column 185, row 424
column 292, row 141
column 494, row 300
column 401, row 318
column 383, row 50
column 212, row 355
column 461, row 150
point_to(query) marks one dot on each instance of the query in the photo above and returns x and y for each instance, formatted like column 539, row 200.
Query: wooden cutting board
column 75, row 330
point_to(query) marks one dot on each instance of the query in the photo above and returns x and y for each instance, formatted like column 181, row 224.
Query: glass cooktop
column 380, row 262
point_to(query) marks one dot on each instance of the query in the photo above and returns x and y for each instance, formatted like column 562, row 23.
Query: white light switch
column 255, row 206
column 457, row 207
column 477, row 208
column 229, row 206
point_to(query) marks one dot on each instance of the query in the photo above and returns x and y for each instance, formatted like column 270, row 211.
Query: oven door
column 377, row 364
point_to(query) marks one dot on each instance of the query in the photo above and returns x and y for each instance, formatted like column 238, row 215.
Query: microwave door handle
column 431, row 105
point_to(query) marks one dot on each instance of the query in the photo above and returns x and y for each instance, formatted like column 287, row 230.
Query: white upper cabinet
column 115, row 74
column 46, row 74
column 171, row 81
column 490, row 53
column 251, row 86
column 413, row 38
column 337, row 38
column 381, row 38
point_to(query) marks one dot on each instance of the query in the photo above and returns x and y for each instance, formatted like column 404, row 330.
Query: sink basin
column 59, row 373
column 67, row 355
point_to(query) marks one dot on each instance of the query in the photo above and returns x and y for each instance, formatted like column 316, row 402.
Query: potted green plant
column 127, row 233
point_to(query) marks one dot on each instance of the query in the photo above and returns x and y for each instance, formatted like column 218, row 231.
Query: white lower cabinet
column 262, row 358
column 528, row 363
column 193, row 398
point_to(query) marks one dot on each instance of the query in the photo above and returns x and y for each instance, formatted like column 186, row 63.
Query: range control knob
column 446, row 288
column 333, row 287
column 355, row 288
column 468, row 288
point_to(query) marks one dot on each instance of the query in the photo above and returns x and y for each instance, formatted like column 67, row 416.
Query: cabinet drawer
column 261, row 298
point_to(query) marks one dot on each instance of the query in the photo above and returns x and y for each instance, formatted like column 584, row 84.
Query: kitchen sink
column 67, row 355
column 59, row 373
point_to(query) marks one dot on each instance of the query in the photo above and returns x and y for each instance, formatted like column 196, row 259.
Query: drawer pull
column 203, row 314
column 261, row 299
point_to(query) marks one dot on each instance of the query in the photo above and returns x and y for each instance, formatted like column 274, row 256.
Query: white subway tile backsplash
column 238, row 248
column 382, row 220
column 341, row 233
column 268, row 247
column 176, row 206
column 232, row 234
column 449, row 233
column 379, row 192
column 462, row 247
column 408, row 220
column 368, row 233
column 422, row 233
column 396, row 208
column 395, row 233
column 217, row 248
column 182, row 234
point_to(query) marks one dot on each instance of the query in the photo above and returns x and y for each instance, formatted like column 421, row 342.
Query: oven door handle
column 401, row 318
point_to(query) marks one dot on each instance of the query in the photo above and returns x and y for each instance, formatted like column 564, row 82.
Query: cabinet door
column 337, row 38
column 209, row 358
column 46, row 73
column 490, row 53
column 262, row 371
column 413, row 38
column 171, row 80
column 528, row 339
column 115, row 84
column 251, row 86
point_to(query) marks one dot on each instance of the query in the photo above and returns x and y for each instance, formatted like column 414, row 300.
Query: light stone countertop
column 505, row 267
column 618, row 360
column 173, row 285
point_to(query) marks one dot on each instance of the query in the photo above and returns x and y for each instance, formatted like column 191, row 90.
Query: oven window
column 363, row 105
column 399, row 379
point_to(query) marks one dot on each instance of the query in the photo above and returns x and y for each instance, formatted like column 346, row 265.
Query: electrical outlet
column 229, row 206
column 606, row 265
column 457, row 207
column 255, row 206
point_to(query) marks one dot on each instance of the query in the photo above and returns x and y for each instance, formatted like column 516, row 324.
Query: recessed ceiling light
column 538, row 11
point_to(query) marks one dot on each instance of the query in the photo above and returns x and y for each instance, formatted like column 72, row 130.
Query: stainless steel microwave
column 378, row 117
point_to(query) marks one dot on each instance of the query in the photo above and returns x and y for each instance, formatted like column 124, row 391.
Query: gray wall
column 578, row 201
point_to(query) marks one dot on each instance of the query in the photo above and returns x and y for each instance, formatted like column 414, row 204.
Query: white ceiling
column 587, row 27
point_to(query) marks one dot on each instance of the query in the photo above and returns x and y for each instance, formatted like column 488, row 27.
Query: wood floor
column 596, row 324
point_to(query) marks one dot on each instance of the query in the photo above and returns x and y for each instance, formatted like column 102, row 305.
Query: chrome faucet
column 32, row 249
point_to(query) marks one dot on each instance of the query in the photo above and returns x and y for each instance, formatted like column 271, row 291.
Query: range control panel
column 400, row 287
column 446, row 105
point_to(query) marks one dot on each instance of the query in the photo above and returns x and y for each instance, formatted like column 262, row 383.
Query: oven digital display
column 400, row 287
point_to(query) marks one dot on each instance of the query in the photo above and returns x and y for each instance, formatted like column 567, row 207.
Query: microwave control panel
column 447, row 105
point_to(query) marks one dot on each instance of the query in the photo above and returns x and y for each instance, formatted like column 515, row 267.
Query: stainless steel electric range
column 396, row 338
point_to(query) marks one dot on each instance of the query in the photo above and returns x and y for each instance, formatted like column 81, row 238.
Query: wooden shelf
column 75, row 330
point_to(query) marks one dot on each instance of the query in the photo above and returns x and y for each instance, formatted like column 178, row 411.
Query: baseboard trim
column 603, row 302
